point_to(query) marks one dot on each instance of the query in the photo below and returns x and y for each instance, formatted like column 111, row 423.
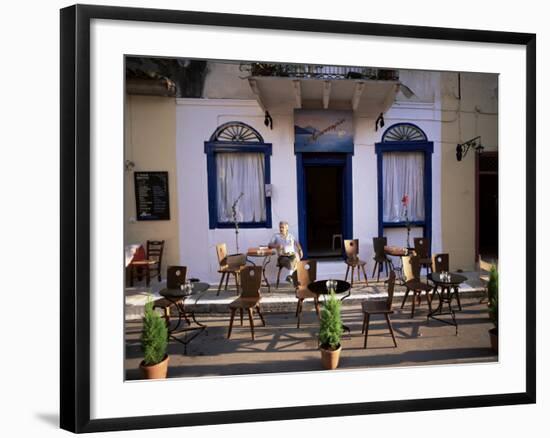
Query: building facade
column 326, row 192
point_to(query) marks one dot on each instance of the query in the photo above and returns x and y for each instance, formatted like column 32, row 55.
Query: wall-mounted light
column 462, row 149
column 379, row 122
column 268, row 121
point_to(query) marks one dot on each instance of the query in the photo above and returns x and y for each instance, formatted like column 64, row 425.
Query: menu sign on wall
column 152, row 200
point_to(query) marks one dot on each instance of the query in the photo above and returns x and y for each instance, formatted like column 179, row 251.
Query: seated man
column 288, row 249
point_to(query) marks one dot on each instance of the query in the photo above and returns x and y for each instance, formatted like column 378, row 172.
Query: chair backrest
column 176, row 277
column 155, row 249
column 379, row 243
column 440, row 263
column 422, row 247
column 352, row 248
column 306, row 272
column 411, row 268
column 221, row 251
column 251, row 281
column 391, row 286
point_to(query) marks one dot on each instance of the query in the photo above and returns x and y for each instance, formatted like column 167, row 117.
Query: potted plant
column 330, row 332
column 492, row 292
column 154, row 341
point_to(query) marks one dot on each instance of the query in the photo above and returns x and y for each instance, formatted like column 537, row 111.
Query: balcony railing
column 319, row 71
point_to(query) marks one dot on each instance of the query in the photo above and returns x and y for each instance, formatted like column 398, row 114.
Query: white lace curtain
column 241, row 173
column 403, row 174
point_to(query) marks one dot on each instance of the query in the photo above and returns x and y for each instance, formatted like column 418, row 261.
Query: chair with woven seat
column 249, row 300
column 353, row 261
column 305, row 274
column 422, row 251
column 175, row 278
column 379, row 307
column 381, row 260
column 229, row 265
column 411, row 274
column 151, row 265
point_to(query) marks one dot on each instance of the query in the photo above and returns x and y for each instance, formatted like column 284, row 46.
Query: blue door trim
column 407, row 146
column 303, row 160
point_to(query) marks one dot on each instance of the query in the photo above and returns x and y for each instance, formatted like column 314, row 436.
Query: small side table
column 176, row 298
column 445, row 296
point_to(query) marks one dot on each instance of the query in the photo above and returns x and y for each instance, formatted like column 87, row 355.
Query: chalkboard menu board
column 152, row 200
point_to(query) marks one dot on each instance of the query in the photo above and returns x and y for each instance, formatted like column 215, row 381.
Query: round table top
column 395, row 250
column 198, row 287
column 260, row 252
column 320, row 286
column 453, row 278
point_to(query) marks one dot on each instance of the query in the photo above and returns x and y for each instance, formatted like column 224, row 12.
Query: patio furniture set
column 179, row 292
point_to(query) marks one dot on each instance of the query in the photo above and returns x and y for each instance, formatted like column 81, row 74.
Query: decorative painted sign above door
column 323, row 131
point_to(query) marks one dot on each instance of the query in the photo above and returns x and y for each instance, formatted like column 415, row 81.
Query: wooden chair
column 422, row 251
column 175, row 277
column 227, row 267
column 251, row 281
column 353, row 261
column 151, row 264
column 411, row 274
column 300, row 254
column 440, row 263
column 306, row 273
column 379, row 307
column 380, row 258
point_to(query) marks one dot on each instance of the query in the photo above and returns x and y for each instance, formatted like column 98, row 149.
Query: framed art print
column 308, row 207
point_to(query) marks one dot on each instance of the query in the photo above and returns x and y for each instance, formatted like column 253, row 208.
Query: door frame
column 305, row 159
column 478, row 173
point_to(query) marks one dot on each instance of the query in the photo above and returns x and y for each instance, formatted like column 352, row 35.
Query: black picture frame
column 75, row 217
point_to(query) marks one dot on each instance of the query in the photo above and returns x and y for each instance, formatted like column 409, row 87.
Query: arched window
column 404, row 169
column 403, row 132
column 238, row 164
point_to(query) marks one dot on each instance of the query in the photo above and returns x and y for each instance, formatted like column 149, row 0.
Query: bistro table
column 320, row 288
column 446, row 284
column 179, row 298
column 265, row 253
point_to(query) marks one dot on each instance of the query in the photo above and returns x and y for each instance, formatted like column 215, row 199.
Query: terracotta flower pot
column 157, row 371
column 493, row 335
column 330, row 358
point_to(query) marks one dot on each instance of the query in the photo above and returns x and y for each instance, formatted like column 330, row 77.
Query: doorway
column 324, row 204
column 487, row 205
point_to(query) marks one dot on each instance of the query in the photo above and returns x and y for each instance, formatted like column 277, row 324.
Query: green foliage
column 154, row 336
column 330, row 332
column 492, row 291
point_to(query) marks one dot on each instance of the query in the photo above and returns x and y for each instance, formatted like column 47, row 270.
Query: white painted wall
column 196, row 121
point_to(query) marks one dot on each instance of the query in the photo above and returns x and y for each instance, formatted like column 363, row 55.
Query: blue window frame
column 235, row 137
column 406, row 137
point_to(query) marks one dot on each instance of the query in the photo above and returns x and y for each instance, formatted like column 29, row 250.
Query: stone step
column 280, row 300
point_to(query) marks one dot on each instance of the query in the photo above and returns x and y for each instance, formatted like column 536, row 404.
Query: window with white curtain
column 403, row 174
column 241, row 173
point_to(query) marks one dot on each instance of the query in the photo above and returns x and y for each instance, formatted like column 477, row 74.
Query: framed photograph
column 278, row 217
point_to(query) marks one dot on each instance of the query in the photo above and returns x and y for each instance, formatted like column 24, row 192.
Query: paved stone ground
column 281, row 347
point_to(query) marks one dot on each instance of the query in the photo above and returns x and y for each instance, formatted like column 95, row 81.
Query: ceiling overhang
column 365, row 97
